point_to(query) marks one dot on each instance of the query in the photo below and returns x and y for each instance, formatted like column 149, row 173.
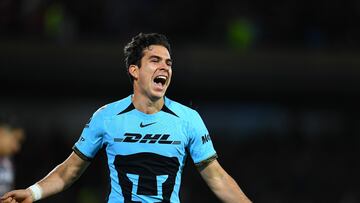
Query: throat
column 146, row 105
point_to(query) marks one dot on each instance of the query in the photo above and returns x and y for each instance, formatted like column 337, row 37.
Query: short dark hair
column 134, row 50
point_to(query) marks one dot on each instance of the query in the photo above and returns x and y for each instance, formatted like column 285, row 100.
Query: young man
column 147, row 138
column 11, row 136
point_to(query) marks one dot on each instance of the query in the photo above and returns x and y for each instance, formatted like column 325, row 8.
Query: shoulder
column 113, row 108
column 181, row 110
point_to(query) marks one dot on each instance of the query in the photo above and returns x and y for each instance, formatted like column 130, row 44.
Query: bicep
column 212, row 171
column 76, row 162
column 215, row 176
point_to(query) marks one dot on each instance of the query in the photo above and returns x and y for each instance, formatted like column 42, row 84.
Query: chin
column 157, row 95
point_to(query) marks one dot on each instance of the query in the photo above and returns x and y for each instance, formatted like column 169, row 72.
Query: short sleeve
column 91, row 139
column 200, row 145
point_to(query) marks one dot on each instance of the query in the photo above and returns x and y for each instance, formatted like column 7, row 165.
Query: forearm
column 56, row 181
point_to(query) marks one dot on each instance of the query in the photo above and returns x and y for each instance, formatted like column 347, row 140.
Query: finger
column 8, row 194
column 7, row 200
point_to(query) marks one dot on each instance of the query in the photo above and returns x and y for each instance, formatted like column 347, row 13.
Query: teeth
column 161, row 77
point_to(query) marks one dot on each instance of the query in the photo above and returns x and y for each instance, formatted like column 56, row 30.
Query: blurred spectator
column 11, row 137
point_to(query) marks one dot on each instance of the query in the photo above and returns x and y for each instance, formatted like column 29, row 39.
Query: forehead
column 157, row 50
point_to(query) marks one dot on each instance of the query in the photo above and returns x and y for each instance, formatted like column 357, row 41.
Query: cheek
column 147, row 74
column 144, row 77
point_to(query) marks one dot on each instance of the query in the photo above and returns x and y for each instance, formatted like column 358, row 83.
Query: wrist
column 36, row 192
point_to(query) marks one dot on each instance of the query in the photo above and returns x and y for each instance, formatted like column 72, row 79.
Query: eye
column 154, row 59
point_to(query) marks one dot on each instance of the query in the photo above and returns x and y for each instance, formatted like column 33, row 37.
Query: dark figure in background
column 11, row 137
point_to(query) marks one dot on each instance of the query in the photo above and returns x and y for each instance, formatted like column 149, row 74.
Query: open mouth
column 160, row 80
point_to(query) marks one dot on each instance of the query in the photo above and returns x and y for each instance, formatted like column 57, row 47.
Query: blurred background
column 276, row 82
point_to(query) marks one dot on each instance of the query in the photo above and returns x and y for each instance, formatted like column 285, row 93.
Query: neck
column 147, row 105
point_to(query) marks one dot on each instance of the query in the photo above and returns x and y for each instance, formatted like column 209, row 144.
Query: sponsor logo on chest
column 147, row 139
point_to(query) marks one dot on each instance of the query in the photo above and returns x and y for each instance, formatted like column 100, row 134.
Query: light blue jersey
column 146, row 152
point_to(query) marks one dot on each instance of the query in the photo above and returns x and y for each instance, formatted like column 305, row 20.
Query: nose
column 164, row 66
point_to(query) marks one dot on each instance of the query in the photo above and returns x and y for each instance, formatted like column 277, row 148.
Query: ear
column 134, row 71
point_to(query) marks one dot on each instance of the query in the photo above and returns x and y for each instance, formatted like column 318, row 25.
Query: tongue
column 158, row 84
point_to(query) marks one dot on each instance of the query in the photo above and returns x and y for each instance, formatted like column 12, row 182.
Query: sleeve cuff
column 207, row 161
column 80, row 154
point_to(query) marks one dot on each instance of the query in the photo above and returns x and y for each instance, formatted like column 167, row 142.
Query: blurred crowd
column 259, row 23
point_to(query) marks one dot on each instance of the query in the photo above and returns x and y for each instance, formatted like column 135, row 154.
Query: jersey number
column 146, row 174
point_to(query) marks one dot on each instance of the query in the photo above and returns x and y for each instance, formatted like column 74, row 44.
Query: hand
column 17, row 196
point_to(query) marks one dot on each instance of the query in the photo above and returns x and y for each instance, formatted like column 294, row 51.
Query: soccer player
column 147, row 138
column 11, row 136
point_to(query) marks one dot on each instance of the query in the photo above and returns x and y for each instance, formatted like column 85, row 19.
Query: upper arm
column 72, row 168
column 76, row 161
column 222, row 184
column 212, row 172
column 216, row 177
